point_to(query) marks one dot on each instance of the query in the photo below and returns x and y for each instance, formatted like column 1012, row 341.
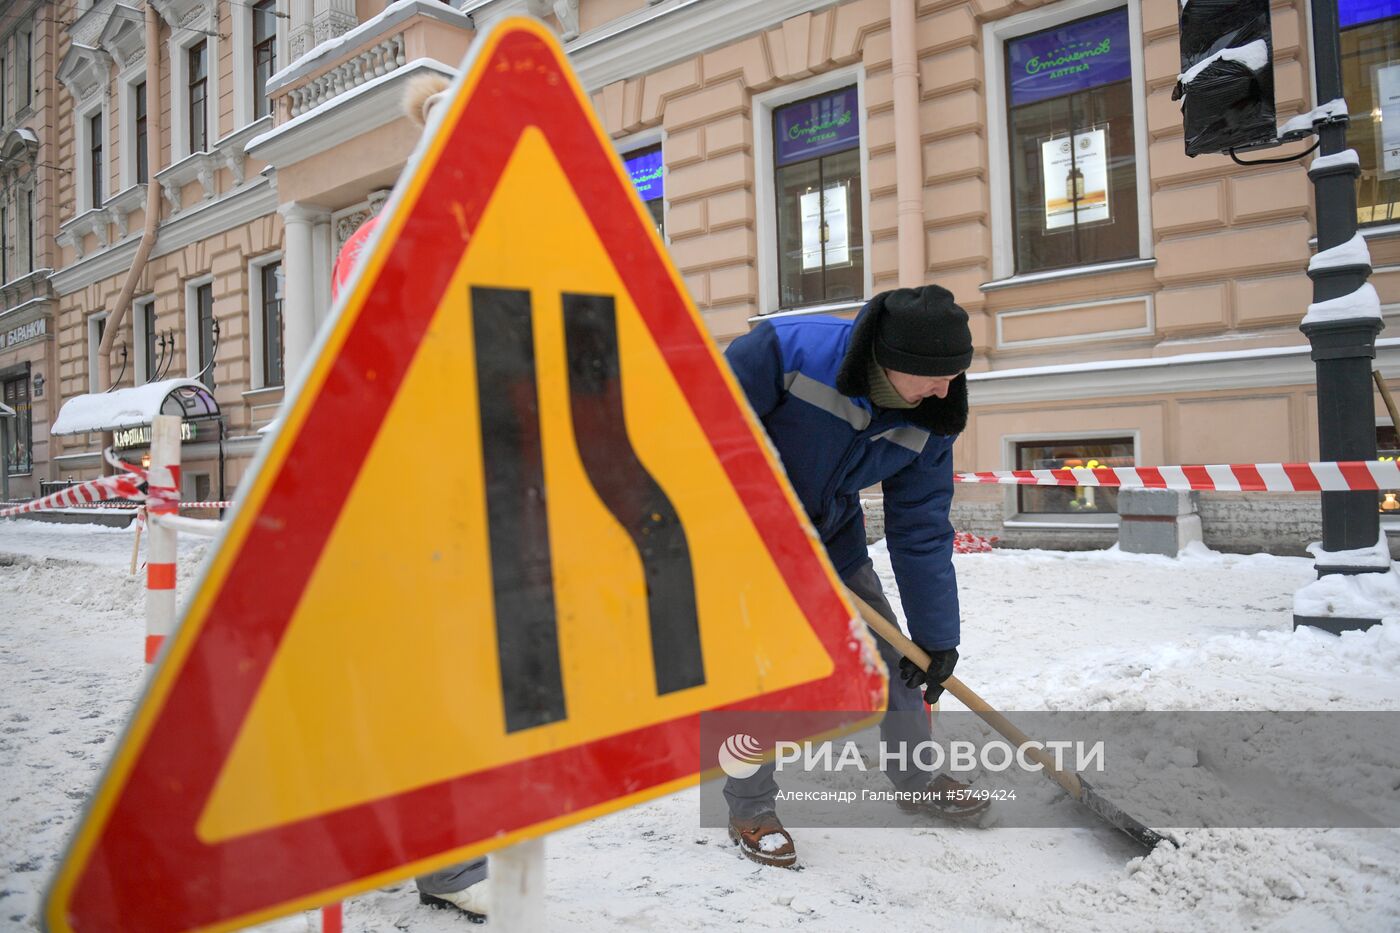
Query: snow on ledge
column 1362, row 303
column 1303, row 122
column 123, row 408
column 1353, row 252
column 1324, row 162
column 1377, row 555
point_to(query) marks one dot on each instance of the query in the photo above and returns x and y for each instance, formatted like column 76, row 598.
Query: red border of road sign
column 144, row 867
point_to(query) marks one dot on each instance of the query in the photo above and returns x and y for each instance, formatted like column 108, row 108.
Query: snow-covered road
column 1042, row 631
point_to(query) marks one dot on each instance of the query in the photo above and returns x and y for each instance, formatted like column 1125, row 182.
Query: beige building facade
column 1129, row 305
column 29, row 101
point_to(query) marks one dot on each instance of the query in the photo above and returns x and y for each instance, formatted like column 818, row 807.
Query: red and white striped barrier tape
column 1340, row 476
column 123, row 486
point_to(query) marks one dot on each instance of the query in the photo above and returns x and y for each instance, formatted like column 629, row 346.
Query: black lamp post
column 1342, row 346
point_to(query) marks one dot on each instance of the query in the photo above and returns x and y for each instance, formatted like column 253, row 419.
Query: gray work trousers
column 906, row 718
column 453, row 879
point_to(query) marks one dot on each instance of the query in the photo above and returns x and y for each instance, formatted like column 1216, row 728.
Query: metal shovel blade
column 1110, row 813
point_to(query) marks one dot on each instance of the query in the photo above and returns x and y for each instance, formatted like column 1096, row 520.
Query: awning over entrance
column 6, row 411
column 136, row 407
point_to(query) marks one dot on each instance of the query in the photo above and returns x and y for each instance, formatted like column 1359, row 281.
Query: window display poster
column 1388, row 93
column 815, row 127
column 1356, row 12
column 825, row 224
column 1075, row 57
column 646, row 172
column 1074, row 172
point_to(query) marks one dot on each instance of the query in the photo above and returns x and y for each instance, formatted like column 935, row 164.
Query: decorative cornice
column 242, row 205
column 232, row 149
column 387, row 22
column 1167, row 375
column 84, row 70
column 352, row 114
column 31, row 310
column 661, row 34
column 88, row 26
column 121, row 205
column 94, row 221
column 188, row 14
column 201, row 166
column 124, row 36
column 20, row 146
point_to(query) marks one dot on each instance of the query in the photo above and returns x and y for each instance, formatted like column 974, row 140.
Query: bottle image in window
column 1074, row 183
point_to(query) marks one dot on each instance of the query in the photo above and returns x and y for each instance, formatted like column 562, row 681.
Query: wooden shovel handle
column 891, row 633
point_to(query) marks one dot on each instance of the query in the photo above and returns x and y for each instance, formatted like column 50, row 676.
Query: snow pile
column 1353, row 252
column 1355, row 596
column 1042, row 630
column 1291, row 880
column 1362, row 303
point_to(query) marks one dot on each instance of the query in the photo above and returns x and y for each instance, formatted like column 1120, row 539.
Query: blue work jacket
column 807, row 382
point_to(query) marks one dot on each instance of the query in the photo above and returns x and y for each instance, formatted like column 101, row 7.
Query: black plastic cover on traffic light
column 1227, row 75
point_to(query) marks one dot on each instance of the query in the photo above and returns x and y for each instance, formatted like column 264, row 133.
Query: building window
column 24, row 69
column 4, row 83
column 647, row 174
column 264, row 54
column 1388, row 448
column 1056, row 455
column 4, row 243
column 1071, row 132
column 96, row 326
column 198, row 84
column 202, row 317
column 95, row 158
column 270, row 277
column 138, row 92
column 816, row 168
column 18, row 439
column 146, row 358
column 1370, row 40
column 25, row 233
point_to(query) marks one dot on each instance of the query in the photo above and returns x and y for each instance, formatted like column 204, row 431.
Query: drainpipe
column 908, row 146
column 148, row 234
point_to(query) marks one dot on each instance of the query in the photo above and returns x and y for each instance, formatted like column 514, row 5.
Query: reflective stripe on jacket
column 834, row 445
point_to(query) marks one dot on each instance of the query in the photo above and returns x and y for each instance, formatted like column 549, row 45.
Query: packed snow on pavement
column 1042, row 630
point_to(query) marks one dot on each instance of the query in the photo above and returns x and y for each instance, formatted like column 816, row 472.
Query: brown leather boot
column 950, row 800
column 763, row 840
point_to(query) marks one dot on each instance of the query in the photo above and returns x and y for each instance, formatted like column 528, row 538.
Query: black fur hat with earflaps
column 920, row 331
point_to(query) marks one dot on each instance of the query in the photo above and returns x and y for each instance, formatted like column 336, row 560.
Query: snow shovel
column 1073, row 784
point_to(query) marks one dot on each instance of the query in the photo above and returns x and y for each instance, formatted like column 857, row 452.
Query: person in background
column 463, row 888
column 849, row 404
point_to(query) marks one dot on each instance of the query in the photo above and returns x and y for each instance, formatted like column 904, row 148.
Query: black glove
column 940, row 668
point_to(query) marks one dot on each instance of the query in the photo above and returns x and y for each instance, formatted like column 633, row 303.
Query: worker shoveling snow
column 1042, row 631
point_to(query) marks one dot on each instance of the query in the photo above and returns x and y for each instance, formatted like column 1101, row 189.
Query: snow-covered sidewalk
column 1041, row 630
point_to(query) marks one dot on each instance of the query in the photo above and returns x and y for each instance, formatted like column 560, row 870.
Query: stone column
column 299, row 271
column 322, row 265
column 301, row 39
column 333, row 18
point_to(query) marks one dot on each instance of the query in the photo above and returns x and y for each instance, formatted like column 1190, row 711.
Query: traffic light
column 1227, row 75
